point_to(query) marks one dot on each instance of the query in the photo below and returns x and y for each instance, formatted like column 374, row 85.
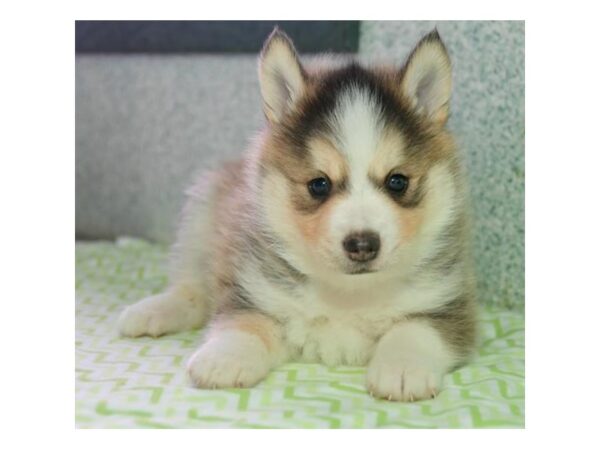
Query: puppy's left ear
column 427, row 78
column 282, row 77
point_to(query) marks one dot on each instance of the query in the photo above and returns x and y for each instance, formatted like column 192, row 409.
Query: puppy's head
column 359, row 173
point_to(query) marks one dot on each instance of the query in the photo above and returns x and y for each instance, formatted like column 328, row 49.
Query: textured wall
column 488, row 107
column 144, row 125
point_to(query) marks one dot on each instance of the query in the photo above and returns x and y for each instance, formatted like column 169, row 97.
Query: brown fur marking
column 312, row 225
column 457, row 324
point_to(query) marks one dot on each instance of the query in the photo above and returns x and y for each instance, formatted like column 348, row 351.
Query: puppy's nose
column 362, row 246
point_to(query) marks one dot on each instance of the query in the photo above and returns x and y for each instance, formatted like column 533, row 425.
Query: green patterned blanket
column 133, row 383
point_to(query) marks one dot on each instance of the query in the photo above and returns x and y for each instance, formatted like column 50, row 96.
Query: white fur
column 339, row 321
column 230, row 358
column 169, row 312
column 189, row 256
column 358, row 132
column 408, row 364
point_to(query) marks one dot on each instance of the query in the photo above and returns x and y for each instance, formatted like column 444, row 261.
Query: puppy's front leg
column 180, row 308
column 409, row 362
column 239, row 351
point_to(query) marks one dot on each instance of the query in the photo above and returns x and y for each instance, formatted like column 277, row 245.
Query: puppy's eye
column 397, row 183
column 319, row 187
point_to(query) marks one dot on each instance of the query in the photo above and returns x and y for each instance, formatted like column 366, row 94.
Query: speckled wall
column 488, row 108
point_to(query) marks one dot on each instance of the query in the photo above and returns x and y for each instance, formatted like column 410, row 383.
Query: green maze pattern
column 133, row 383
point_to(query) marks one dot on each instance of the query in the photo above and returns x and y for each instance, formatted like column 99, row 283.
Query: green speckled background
column 487, row 117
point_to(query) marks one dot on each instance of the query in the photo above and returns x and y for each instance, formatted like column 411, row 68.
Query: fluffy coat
column 341, row 236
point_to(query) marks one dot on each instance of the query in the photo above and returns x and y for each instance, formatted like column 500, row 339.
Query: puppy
column 340, row 237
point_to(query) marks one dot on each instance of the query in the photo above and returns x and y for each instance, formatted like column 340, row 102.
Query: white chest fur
column 330, row 339
column 336, row 325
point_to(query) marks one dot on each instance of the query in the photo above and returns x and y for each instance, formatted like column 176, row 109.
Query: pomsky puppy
column 340, row 237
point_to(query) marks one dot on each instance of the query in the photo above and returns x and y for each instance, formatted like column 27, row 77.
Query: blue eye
column 397, row 183
column 319, row 187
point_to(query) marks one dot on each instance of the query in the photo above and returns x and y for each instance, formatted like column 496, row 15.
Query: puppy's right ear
column 282, row 77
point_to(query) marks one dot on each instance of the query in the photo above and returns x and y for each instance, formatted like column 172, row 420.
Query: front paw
column 170, row 312
column 402, row 380
column 148, row 317
column 229, row 360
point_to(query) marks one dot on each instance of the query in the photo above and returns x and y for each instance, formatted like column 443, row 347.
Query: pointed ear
column 427, row 78
column 281, row 75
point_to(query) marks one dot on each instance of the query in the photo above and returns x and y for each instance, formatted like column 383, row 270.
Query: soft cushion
column 124, row 383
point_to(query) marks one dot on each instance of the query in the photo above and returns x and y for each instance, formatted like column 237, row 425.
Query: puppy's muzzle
column 362, row 246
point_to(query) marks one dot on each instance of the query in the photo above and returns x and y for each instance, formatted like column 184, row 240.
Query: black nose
column 362, row 246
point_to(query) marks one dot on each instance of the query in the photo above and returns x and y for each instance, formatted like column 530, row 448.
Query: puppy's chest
column 334, row 335
column 336, row 326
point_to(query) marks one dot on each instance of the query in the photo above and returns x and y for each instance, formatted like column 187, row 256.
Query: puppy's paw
column 335, row 345
column 402, row 380
column 230, row 359
column 153, row 316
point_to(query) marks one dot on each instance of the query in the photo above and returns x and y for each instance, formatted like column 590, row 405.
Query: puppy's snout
column 362, row 246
